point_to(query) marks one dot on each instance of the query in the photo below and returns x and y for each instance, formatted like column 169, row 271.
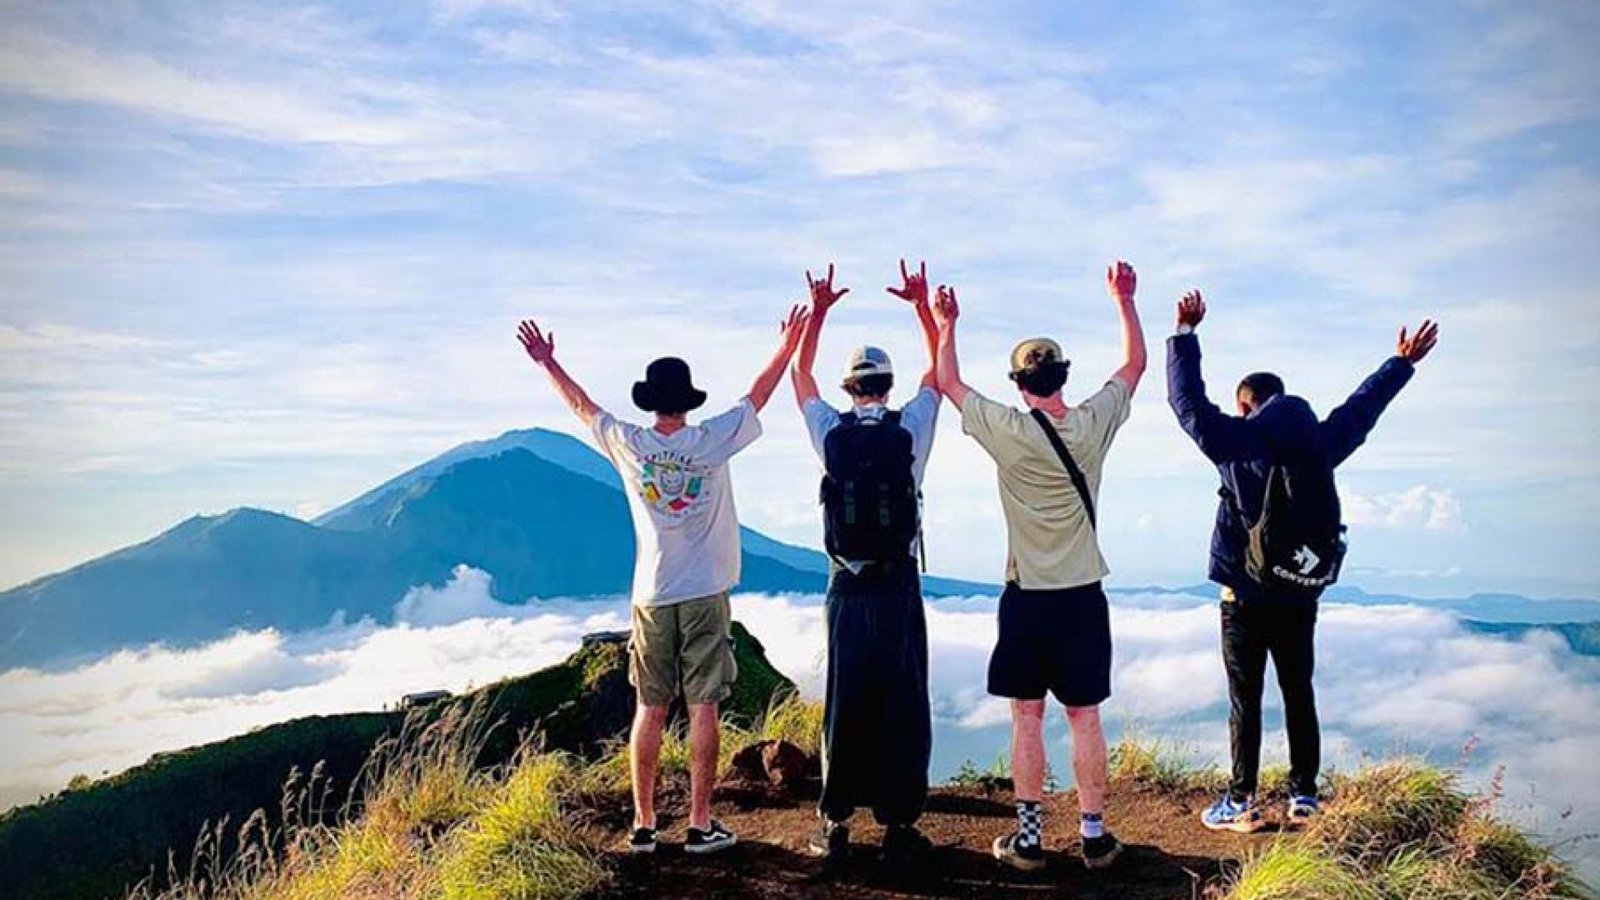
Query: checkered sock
column 1092, row 825
column 1030, row 823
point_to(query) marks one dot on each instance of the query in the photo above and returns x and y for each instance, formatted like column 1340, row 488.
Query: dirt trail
column 1168, row 857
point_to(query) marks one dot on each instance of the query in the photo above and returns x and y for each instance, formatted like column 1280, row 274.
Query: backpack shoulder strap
column 1078, row 481
column 891, row 417
column 848, row 418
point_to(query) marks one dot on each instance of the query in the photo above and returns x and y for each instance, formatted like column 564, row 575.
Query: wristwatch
column 1185, row 328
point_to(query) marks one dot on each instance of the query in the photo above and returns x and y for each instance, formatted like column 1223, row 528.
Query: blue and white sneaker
column 1302, row 809
column 1228, row 814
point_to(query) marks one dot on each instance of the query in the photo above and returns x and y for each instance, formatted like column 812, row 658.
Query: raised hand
column 1191, row 309
column 1415, row 348
column 541, row 348
column 1121, row 281
column 794, row 327
column 916, row 284
column 822, row 293
column 945, row 307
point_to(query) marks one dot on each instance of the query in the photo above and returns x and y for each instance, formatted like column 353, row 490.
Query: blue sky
column 271, row 254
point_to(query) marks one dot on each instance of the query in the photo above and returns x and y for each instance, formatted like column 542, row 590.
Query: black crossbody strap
column 1078, row 481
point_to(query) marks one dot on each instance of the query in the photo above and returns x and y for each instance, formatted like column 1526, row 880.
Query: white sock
column 1092, row 825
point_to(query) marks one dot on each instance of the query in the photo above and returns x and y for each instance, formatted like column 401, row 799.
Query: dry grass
column 427, row 824
column 790, row 718
column 1164, row 765
column 1404, row 830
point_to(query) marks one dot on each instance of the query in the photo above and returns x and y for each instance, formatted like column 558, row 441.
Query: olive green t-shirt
column 1050, row 543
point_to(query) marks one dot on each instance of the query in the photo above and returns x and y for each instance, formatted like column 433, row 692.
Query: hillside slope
column 97, row 840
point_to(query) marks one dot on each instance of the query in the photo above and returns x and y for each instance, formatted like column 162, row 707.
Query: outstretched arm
column 823, row 297
column 766, row 382
column 1348, row 426
column 541, row 348
column 947, row 366
column 1121, row 281
column 1221, row 437
column 915, row 291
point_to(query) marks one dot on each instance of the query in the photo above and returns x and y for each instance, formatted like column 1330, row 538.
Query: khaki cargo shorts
column 683, row 649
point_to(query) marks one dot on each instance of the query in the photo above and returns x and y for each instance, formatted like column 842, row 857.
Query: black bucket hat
column 667, row 387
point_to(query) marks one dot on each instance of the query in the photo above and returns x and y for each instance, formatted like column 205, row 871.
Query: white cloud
column 1389, row 678
column 467, row 595
column 1417, row 507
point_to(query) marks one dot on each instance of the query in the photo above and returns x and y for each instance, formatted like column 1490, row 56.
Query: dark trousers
column 1255, row 626
column 877, row 731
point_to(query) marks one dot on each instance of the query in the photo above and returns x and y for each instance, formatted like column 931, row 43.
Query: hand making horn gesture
column 915, row 289
column 822, row 293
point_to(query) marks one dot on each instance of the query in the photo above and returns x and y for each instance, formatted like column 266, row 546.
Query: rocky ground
column 1168, row 857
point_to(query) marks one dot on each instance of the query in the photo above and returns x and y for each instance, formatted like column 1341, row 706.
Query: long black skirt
column 877, row 729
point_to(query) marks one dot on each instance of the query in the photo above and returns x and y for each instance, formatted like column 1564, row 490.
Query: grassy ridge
column 437, row 826
column 95, row 841
column 1395, row 830
column 1403, row 830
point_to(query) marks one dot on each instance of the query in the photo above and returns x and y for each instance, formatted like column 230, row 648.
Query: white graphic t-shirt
column 684, row 523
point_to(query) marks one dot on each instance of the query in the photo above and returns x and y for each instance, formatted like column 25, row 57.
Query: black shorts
column 1057, row 641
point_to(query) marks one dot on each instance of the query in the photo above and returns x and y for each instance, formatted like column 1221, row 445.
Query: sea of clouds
column 1390, row 679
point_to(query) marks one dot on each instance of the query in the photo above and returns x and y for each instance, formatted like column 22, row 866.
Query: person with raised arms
column 877, row 730
column 1277, row 544
column 675, row 476
column 1054, row 619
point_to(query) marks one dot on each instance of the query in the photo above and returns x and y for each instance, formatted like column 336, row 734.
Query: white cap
column 864, row 361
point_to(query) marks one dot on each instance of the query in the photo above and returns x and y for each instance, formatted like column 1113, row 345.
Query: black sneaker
column 643, row 841
column 1027, row 857
column 1101, row 851
column 831, row 841
column 710, row 839
column 904, row 843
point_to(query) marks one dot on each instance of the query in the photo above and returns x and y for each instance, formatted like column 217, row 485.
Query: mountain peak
column 372, row 508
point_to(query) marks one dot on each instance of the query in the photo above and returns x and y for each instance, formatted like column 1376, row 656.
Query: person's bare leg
column 1027, row 749
column 1088, row 758
column 704, row 742
column 644, row 756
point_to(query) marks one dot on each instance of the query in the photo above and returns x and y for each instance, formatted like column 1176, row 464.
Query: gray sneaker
column 830, row 842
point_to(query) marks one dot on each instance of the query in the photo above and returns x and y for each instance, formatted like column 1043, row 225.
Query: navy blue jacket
column 1284, row 431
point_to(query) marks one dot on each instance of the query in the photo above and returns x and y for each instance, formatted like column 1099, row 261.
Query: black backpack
column 869, row 495
column 1298, row 543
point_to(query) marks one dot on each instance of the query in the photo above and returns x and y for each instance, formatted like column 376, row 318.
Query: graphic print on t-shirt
column 669, row 484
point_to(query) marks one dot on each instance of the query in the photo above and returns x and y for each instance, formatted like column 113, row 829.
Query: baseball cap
column 864, row 361
column 1034, row 352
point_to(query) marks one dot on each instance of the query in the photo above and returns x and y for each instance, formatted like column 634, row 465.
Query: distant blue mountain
column 1489, row 608
column 1509, row 609
column 551, row 446
column 541, row 512
column 1582, row 637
